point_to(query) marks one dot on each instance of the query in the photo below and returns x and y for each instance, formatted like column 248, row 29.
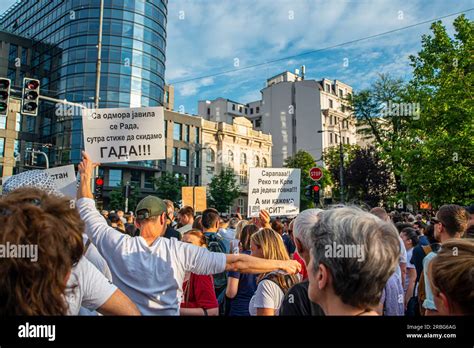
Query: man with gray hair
column 296, row 301
column 353, row 255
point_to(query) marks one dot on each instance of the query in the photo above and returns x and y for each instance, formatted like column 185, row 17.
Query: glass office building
column 65, row 36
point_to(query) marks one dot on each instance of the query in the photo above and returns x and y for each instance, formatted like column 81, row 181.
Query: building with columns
column 237, row 146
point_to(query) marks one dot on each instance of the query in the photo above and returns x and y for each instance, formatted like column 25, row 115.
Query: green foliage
column 167, row 186
column 304, row 161
column 223, row 190
column 117, row 198
column 438, row 152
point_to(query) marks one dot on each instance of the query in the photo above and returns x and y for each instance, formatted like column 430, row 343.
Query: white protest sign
column 64, row 179
column 117, row 135
column 276, row 190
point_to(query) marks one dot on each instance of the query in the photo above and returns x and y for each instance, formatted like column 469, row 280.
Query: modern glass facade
column 65, row 36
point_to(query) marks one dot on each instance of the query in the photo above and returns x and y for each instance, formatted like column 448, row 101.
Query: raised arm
column 104, row 237
column 249, row 264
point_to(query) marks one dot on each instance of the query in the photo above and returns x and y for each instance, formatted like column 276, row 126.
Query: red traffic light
column 316, row 188
column 99, row 182
column 31, row 84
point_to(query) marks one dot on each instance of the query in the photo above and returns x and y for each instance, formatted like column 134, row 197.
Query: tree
column 438, row 152
column 223, row 190
column 168, row 186
column 383, row 113
column 369, row 178
column 304, row 161
column 117, row 198
column 332, row 160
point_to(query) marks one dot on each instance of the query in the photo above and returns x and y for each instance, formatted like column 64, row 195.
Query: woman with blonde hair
column 271, row 288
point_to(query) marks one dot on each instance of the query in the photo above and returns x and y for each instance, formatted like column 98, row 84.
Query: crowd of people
column 159, row 260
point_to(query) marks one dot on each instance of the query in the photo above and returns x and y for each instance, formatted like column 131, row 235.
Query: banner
column 276, row 190
column 118, row 135
column 64, row 178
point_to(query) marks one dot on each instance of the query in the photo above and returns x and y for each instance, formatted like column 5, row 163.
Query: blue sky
column 208, row 36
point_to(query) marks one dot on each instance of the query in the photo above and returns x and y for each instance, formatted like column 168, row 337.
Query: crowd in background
column 164, row 260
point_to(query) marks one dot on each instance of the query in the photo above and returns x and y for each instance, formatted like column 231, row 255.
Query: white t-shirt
column 151, row 276
column 267, row 295
column 93, row 255
column 409, row 265
column 87, row 287
column 402, row 259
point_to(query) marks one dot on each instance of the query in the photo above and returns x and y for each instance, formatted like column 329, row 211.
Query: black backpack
column 215, row 243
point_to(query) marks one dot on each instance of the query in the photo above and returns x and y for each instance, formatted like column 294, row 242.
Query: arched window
column 243, row 158
column 230, row 156
column 211, row 155
column 256, row 161
column 264, row 162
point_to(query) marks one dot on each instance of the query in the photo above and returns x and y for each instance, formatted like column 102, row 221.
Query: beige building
column 237, row 146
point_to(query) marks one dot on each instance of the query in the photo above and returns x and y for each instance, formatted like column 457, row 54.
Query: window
column 175, row 156
column 177, row 131
column 230, row 156
column 18, row 122
column 13, row 54
column 264, row 162
column 257, row 109
column 256, row 161
column 328, row 87
column 16, row 149
column 243, row 177
column 208, row 111
column 233, row 107
column 243, row 158
column 211, row 155
column 241, row 205
column 330, row 138
column 335, row 120
column 3, row 122
column 186, row 133
column 136, row 178
column 330, row 120
column 251, row 111
column 196, row 135
column 196, row 180
column 341, row 93
column 196, row 159
column 335, row 135
column 12, row 75
column 24, row 56
column 183, row 157
column 115, row 177
column 149, row 178
column 331, row 105
column 343, row 108
column 165, row 127
column 240, row 109
column 258, row 123
column 246, row 111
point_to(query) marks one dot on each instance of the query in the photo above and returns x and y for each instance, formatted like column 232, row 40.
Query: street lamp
column 341, row 161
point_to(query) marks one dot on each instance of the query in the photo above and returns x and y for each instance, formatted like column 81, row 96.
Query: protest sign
column 195, row 197
column 117, row 135
column 276, row 190
column 64, row 179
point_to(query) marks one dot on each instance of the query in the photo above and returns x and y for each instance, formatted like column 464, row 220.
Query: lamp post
column 341, row 160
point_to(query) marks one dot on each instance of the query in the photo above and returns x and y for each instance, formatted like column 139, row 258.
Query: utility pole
column 98, row 71
column 341, row 166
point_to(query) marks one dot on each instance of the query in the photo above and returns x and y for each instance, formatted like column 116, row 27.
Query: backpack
column 273, row 278
column 215, row 243
column 421, row 283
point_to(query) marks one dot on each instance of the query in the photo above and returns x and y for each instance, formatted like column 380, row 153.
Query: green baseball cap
column 150, row 206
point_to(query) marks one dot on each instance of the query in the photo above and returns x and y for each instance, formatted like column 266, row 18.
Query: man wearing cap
column 150, row 269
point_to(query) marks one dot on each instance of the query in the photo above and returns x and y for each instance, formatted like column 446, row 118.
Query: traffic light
column 99, row 185
column 308, row 192
column 30, row 96
column 4, row 96
column 316, row 190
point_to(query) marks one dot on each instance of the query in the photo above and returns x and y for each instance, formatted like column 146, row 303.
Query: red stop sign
column 316, row 173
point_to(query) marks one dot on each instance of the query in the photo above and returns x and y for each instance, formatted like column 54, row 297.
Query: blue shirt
column 239, row 305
